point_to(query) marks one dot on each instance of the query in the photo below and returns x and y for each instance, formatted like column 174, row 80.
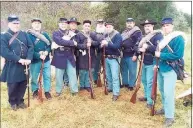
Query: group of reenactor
column 72, row 49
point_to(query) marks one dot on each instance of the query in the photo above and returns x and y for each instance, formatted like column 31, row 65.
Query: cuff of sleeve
column 29, row 57
column 17, row 58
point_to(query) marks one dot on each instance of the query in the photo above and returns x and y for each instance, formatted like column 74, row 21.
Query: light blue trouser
column 97, row 66
column 35, row 70
column 167, row 81
column 71, row 74
column 128, row 68
column 147, row 80
column 84, row 77
column 66, row 80
column 112, row 75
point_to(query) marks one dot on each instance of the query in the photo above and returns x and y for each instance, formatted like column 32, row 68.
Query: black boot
column 160, row 112
column 169, row 122
column 35, row 94
column 115, row 97
column 22, row 106
column 48, row 95
column 14, row 107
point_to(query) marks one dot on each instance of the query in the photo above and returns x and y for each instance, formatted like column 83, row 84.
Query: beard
column 100, row 29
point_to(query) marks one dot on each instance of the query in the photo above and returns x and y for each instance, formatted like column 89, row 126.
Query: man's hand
column 142, row 49
column 22, row 61
column 27, row 62
column 145, row 46
column 55, row 46
column 45, row 53
column 134, row 58
column 155, row 67
column 103, row 43
column 75, row 43
column 88, row 44
column 42, row 57
column 41, row 52
column 89, row 40
column 157, row 54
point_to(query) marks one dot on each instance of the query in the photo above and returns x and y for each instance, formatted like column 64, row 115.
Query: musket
column 134, row 96
column 99, row 83
column 40, row 82
column 28, row 91
column 154, row 89
column 90, row 74
column 104, row 73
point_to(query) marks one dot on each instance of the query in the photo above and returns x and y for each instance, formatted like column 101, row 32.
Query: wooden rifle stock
column 90, row 74
column 99, row 83
column 40, row 83
column 104, row 73
column 134, row 96
column 154, row 89
column 27, row 77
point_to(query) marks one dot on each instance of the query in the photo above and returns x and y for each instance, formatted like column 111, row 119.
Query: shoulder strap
column 13, row 37
column 40, row 36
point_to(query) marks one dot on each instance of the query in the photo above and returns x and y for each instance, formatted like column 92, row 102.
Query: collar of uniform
column 11, row 32
column 62, row 30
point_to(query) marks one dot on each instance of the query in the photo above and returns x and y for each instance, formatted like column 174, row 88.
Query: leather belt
column 64, row 49
column 111, row 56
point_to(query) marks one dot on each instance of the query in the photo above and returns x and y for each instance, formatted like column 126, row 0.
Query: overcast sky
column 182, row 6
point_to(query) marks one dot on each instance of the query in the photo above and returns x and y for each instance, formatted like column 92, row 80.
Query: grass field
column 81, row 111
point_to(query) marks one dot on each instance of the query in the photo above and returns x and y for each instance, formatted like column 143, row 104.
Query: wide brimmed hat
column 73, row 19
column 148, row 21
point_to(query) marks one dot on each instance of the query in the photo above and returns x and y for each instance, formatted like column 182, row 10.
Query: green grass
column 83, row 112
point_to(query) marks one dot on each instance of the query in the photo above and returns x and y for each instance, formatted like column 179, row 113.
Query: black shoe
column 169, row 122
column 48, row 95
column 88, row 89
column 142, row 99
column 115, row 97
column 109, row 90
column 66, row 84
column 149, row 106
column 14, row 107
column 58, row 94
column 22, row 106
column 74, row 94
column 35, row 94
column 122, row 86
column 95, row 82
column 130, row 88
column 81, row 88
column 160, row 112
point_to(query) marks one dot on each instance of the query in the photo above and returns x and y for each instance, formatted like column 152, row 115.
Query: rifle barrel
column 134, row 96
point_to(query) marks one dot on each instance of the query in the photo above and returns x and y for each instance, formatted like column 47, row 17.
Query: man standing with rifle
column 17, row 49
column 42, row 48
column 64, row 58
column 87, row 42
column 112, row 44
column 148, row 45
column 131, row 36
column 100, row 29
column 166, row 75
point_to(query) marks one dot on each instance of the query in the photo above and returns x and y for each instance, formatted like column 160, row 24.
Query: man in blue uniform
column 64, row 58
column 148, row 45
column 171, row 49
column 86, row 39
column 112, row 44
column 17, row 49
column 100, row 30
column 131, row 36
column 42, row 48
